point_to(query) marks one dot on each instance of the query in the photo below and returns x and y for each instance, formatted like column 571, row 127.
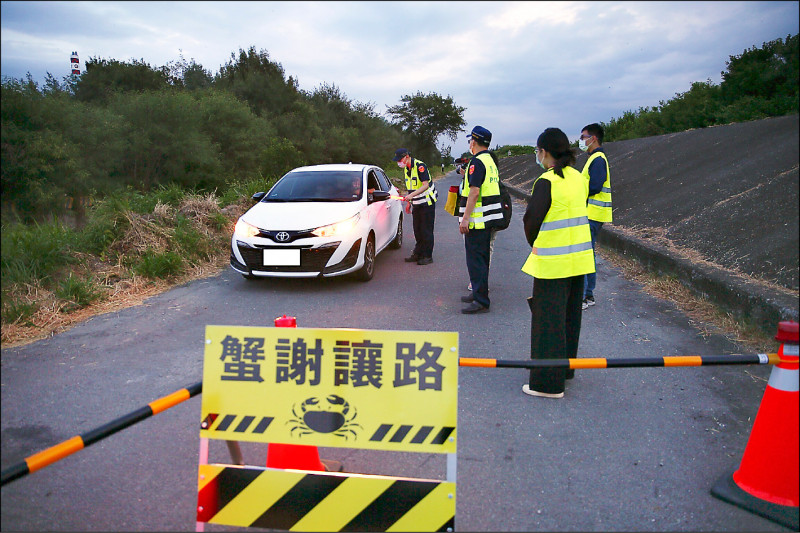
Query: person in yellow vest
column 480, row 210
column 423, row 195
column 557, row 228
column 596, row 171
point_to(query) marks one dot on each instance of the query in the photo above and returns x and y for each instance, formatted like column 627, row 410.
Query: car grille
column 311, row 259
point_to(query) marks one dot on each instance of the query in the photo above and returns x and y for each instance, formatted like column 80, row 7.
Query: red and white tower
column 76, row 69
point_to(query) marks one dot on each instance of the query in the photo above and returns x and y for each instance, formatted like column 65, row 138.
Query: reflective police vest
column 563, row 247
column 488, row 208
column 413, row 183
column 599, row 206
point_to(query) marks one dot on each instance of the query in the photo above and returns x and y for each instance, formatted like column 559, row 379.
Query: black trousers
column 555, row 329
column 424, row 216
column 477, row 246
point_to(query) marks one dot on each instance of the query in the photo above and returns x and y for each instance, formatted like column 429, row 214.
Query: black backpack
column 505, row 202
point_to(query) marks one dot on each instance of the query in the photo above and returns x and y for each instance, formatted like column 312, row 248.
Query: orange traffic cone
column 767, row 482
column 297, row 456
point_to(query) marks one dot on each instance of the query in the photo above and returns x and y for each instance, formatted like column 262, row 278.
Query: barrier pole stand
column 235, row 451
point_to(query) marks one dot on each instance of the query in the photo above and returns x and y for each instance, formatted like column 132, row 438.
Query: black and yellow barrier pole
column 68, row 447
column 600, row 362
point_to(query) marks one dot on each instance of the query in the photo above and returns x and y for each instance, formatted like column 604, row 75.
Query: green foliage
column 34, row 252
column 102, row 78
column 155, row 265
column 244, row 190
column 191, row 242
column 514, row 149
column 165, row 142
column 170, row 195
column 758, row 83
column 125, row 126
column 255, row 79
column 78, row 292
column 424, row 117
column 15, row 310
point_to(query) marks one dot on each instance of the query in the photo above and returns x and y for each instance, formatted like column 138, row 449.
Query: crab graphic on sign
column 331, row 414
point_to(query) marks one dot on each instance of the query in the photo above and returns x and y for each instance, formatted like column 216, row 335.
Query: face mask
column 539, row 162
column 401, row 164
column 582, row 145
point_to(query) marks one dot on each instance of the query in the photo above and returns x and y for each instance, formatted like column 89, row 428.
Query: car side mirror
column 379, row 196
column 258, row 196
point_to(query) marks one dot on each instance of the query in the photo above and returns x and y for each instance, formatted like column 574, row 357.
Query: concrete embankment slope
column 716, row 207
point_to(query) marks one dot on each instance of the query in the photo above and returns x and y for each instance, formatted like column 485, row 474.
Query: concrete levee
column 717, row 208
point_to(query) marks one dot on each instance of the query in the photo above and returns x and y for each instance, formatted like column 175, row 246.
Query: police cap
column 481, row 134
column 400, row 153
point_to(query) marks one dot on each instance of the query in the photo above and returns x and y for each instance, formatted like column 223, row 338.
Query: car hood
column 295, row 216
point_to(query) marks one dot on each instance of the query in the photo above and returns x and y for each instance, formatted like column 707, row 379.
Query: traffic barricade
column 341, row 388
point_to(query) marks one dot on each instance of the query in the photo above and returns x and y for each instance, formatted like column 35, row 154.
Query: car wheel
column 397, row 242
column 368, row 270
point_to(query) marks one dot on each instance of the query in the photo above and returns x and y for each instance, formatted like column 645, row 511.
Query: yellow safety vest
column 488, row 207
column 599, row 206
column 563, row 247
column 413, row 183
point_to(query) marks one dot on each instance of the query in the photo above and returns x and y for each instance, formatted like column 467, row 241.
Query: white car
column 324, row 220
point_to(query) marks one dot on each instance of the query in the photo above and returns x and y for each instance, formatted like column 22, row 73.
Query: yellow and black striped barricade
column 347, row 388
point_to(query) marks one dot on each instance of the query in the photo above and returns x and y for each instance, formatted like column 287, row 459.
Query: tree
column 254, row 78
column 427, row 116
column 103, row 77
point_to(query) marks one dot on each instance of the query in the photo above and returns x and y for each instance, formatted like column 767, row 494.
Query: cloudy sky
column 517, row 67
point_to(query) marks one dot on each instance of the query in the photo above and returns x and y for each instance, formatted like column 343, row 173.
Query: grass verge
column 707, row 317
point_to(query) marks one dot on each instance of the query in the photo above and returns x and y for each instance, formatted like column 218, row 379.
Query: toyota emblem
column 282, row 236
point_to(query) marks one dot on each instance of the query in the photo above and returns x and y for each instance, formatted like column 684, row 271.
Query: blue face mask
column 539, row 162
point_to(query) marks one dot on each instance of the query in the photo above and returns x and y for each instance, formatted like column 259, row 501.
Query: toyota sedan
column 324, row 220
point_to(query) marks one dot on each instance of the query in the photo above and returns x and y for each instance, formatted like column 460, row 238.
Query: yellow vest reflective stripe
column 563, row 247
column 488, row 207
column 599, row 206
column 413, row 183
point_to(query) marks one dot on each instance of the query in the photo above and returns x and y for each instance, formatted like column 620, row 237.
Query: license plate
column 289, row 257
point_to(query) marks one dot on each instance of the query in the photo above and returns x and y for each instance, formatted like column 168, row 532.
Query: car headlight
column 345, row 226
column 243, row 229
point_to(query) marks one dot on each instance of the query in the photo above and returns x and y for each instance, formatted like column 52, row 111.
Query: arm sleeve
column 478, row 173
column 422, row 172
column 538, row 206
column 597, row 175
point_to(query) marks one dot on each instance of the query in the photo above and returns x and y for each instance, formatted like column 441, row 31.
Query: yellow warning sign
column 352, row 388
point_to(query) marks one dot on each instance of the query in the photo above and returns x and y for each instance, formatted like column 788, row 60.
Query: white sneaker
column 527, row 390
column 584, row 305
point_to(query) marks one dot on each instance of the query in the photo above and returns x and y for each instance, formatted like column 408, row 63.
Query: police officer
column 479, row 210
column 557, row 229
column 596, row 171
column 422, row 195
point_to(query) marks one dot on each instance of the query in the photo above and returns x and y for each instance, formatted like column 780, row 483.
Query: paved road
column 626, row 449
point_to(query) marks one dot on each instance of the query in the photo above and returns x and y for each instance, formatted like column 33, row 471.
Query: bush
column 34, row 252
column 14, row 310
column 156, row 265
column 193, row 243
column 78, row 292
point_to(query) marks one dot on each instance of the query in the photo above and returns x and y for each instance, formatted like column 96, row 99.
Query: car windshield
column 317, row 186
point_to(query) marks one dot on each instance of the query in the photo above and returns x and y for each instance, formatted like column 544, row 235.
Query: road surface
column 625, row 449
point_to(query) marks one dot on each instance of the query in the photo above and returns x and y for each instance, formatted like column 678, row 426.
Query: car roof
column 334, row 167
